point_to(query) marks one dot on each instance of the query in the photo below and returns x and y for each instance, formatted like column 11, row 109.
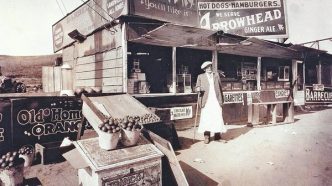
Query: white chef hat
column 206, row 64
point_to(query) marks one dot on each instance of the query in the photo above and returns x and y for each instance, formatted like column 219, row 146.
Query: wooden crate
column 51, row 78
column 136, row 165
column 117, row 106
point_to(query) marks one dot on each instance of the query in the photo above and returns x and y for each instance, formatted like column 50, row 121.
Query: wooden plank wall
column 99, row 61
column 51, row 78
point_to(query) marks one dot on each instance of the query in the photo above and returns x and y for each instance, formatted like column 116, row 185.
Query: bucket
column 12, row 176
column 108, row 141
column 129, row 138
column 28, row 156
column 28, row 159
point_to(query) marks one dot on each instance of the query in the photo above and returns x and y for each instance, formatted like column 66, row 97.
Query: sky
column 26, row 25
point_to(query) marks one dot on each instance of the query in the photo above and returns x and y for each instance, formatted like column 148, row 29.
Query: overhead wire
column 99, row 13
column 103, row 9
column 95, row 10
column 64, row 6
column 59, row 7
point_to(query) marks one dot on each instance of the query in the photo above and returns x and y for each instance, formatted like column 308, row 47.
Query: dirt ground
column 288, row 154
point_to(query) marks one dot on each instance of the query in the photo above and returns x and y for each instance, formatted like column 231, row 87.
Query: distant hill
column 25, row 66
column 27, row 69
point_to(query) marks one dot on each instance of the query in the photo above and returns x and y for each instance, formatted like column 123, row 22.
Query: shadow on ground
column 186, row 143
column 194, row 177
column 32, row 182
column 234, row 133
column 231, row 134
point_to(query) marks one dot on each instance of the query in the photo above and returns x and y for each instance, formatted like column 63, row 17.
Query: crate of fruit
column 11, row 169
column 117, row 117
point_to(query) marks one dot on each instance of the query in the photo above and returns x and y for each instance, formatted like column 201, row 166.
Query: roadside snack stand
column 153, row 50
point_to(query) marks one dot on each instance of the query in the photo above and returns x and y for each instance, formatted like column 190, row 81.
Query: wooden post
column 250, row 115
column 215, row 61
column 274, row 113
column 255, row 114
column 174, row 69
column 258, row 77
column 319, row 72
column 288, row 112
column 304, row 76
column 124, row 58
column 294, row 80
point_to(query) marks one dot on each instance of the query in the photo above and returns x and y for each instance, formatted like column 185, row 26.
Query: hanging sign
column 318, row 87
column 263, row 18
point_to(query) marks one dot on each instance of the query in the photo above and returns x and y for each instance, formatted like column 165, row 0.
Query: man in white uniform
column 211, row 101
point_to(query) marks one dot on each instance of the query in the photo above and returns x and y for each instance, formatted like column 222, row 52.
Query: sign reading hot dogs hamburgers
column 263, row 18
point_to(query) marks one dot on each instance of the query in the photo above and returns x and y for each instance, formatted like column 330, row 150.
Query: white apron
column 211, row 114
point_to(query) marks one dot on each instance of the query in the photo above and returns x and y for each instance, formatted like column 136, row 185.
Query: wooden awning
column 189, row 37
column 174, row 36
column 258, row 48
column 307, row 52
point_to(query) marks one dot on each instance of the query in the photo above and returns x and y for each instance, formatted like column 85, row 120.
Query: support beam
column 215, row 60
column 259, row 69
column 304, row 76
column 124, row 58
column 174, row 70
column 294, row 75
column 319, row 72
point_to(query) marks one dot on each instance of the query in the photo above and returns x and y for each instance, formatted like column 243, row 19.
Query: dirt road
column 291, row 154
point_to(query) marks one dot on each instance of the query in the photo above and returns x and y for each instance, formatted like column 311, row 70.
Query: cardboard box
column 137, row 76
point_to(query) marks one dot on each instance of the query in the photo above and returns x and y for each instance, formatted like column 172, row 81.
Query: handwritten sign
column 45, row 120
column 5, row 126
column 318, row 87
column 180, row 12
column 247, row 18
column 181, row 112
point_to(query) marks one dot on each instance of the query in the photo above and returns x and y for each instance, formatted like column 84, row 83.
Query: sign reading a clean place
column 263, row 18
column 181, row 112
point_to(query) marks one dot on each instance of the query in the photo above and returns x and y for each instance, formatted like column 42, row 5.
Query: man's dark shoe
column 217, row 136
column 206, row 139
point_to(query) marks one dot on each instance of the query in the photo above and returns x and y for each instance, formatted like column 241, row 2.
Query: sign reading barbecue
column 248, row 18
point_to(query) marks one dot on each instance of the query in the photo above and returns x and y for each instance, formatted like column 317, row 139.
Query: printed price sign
column 181, row 112
column 233, row 98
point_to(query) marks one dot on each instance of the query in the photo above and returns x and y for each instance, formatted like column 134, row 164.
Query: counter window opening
column 275, row 74
column 240, row 72
column 150, row 68
column 283, row 73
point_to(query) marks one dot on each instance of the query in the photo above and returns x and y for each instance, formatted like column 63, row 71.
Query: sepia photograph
column 165, row 92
